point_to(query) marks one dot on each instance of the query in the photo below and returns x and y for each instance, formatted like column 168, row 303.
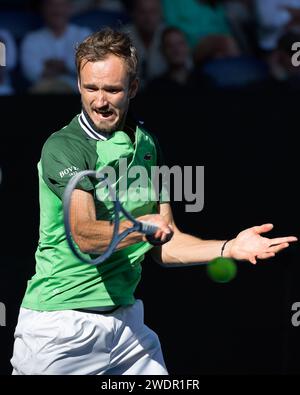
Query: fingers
column 280, row 240
column 267, row 227
column 164, row 235
column 270, row 253
column 159, row 241
column 278, row 247
column 161, row 234
column 266, row 255
column 252, row 260
column 263, row 228
column 164, row 231
column 157, row 220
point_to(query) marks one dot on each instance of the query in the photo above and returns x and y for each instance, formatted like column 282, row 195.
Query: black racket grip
column 156, row 242
column 149, row 230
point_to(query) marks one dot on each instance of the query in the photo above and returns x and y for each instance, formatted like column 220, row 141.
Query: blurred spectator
column 47, row 54
column 146, row 31
column 219, row 60
column 6, row 38
column 240, row 14
column 107, row 5
column 274, row 18
column 179, row 63
column 215, row 47
column 196, row 18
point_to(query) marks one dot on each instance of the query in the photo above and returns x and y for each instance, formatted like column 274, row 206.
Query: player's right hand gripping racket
column 137, row 226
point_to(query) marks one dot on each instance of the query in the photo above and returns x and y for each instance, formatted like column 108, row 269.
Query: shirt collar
column 89, row 129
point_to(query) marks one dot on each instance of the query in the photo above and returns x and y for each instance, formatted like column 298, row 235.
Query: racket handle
column 147, row 228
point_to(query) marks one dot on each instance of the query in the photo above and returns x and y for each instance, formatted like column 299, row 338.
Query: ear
column 79, row 84
column 133, row 88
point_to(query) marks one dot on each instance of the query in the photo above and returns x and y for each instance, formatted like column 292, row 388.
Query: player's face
column 106, row 91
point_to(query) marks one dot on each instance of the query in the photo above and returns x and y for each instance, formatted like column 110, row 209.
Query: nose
column 101, row 100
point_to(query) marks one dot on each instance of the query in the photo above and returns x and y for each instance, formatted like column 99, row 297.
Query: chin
column 108, row 127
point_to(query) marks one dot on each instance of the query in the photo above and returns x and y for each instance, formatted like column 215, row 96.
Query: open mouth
column 105, row 114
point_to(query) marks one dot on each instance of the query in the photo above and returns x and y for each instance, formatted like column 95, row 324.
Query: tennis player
column 77, row 318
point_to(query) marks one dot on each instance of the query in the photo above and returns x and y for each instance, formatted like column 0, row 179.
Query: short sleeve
column 60, row 160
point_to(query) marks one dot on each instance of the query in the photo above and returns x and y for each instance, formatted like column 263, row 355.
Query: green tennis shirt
column 61, row 280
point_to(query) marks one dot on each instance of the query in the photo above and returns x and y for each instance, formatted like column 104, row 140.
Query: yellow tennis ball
column 221, row 270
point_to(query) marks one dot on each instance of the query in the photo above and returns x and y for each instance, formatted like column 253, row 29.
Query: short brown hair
column 104, row 42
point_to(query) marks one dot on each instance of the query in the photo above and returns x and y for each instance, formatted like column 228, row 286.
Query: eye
column 91, row 89
column 114, row 90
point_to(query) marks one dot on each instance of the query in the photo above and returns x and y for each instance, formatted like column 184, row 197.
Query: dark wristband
column 223, row 247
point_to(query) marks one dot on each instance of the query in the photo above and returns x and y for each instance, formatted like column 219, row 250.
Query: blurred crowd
column 182, row 44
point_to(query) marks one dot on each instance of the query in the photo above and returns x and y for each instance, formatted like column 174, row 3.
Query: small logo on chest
column 147, row 156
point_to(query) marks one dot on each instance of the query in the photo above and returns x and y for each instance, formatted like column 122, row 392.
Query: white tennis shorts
column 71, row 342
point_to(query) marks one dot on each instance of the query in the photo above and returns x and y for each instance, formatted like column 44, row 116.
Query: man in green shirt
column 77, row 318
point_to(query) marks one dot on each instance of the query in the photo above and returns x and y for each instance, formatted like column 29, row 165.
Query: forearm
column 249, row 245
column 186, row 249
column 94, row 237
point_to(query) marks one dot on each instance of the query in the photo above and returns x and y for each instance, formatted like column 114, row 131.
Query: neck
column 92, row 127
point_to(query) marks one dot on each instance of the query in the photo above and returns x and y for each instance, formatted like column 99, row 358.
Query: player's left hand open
column 250, row 245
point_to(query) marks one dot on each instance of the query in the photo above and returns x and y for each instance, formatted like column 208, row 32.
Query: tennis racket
column 137, row 226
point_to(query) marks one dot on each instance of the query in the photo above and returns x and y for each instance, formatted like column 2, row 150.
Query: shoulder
column 67, row 139
column 151, row 135
column 56, row 145
column 133, row 122
column 144, row 128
